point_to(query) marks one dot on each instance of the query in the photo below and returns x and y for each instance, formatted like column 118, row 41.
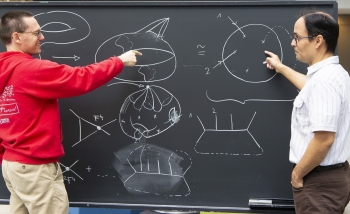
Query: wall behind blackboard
column 199, row 123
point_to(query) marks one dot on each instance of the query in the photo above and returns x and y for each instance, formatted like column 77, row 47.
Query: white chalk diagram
column 247, row 100
column 149, row 112
column 258, row 37
column 158, row 61
column 69, row 179
column 227, row 142
column 147, row 169
column 98, row 128
column 249, row 42
column 60, row 28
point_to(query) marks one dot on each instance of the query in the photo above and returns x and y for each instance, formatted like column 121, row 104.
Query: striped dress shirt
column 323, row 104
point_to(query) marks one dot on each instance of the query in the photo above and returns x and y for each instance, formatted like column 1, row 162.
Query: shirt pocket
column 300, row 114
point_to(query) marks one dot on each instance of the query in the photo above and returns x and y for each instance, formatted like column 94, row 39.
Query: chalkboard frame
column 13, row 5
column 189, row 3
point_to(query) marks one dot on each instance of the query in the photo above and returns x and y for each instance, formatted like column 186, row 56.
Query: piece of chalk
column 264, row 62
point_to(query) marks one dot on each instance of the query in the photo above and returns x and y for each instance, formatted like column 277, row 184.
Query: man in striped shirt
column 320, row 129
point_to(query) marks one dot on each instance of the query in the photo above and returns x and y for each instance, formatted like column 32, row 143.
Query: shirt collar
column 315, row 67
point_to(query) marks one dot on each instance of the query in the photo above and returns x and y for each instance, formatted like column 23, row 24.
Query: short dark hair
column 12, row 21
column 321, row 23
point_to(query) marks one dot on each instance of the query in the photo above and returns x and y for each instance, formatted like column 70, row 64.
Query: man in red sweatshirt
column 30, row 126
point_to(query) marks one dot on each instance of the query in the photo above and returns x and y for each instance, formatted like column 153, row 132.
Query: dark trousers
column 326, row 192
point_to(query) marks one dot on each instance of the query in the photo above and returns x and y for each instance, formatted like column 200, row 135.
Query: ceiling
column 343, row 6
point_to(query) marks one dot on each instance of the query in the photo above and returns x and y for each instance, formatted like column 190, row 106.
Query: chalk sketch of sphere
column 158, row 61
column 149, row 112
column 243, row 52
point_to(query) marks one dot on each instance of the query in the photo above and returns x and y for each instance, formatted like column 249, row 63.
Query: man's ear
column 319, row 41
column 15, row 37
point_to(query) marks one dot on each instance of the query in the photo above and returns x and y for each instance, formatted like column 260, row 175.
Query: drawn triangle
column 157, row 27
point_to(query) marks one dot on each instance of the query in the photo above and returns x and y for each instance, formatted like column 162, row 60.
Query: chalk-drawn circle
column 243, row 52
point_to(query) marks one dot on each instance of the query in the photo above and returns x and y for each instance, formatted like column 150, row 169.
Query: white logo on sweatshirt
column 8, row 104
column 4, row 120
column 7, row 93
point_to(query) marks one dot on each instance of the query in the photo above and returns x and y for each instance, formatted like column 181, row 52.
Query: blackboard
column 199, row 123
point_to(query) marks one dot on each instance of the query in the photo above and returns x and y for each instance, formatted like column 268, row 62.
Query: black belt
column 325, row 168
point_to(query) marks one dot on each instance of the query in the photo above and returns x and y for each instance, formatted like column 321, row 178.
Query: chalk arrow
column 219, row 62
column 235, row 23
column 67, row 57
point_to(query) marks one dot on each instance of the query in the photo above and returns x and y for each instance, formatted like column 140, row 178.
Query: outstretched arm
column 274, row 63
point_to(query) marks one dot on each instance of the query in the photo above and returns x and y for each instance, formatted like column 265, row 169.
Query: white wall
column 344, row 51
column 343, row 41
column 343, row 6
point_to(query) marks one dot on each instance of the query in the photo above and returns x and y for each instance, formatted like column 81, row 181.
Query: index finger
column 269, row 53
column 137, row 53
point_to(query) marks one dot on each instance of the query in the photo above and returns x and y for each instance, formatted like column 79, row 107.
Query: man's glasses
column 35, row 33
column 296, row 38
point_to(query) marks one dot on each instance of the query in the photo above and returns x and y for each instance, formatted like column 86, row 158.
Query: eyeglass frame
column 37, row 33
column 296, row 39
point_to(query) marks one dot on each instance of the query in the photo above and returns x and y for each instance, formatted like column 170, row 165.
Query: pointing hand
column 129, row 58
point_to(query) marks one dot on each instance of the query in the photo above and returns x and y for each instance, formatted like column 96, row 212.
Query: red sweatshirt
column 30, row 125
